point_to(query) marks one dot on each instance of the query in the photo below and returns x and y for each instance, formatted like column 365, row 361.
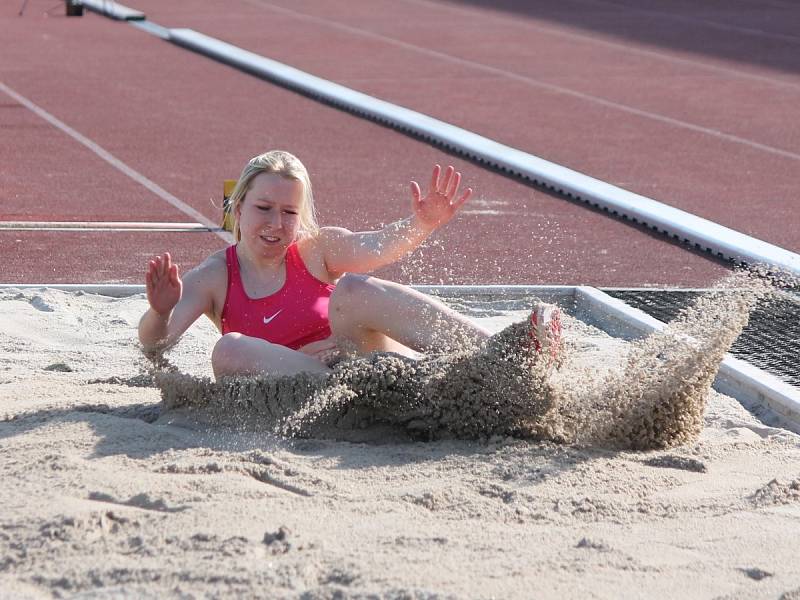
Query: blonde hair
column 286, row 165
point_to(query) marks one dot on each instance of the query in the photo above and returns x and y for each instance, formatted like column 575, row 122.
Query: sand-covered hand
column 164, row 285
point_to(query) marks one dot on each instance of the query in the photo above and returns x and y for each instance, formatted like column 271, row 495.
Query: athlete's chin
column 271, row 248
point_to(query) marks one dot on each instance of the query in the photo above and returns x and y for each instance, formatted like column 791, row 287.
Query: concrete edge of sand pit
column 758, row 390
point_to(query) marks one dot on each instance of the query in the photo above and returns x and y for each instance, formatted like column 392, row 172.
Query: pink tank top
column 295, row 315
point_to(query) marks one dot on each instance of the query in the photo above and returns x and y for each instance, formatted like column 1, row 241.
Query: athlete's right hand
column 164, row 285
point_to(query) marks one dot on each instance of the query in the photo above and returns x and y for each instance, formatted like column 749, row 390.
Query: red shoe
column 546, row 329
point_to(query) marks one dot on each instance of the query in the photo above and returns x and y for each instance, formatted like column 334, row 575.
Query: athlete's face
column 269, row 214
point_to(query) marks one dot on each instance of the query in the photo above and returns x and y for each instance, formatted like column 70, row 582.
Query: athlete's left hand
column 322, row 350
column 440, row 204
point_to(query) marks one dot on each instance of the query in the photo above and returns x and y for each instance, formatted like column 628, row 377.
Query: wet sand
column 107, row 495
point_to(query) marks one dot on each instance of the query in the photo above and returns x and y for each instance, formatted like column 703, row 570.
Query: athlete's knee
column 223, row 356
column 346, row 307
column 348, row 289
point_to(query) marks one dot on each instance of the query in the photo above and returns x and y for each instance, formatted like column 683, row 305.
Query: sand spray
column 654, row 398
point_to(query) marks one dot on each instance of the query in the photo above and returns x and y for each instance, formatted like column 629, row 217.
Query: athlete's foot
column 546, row 330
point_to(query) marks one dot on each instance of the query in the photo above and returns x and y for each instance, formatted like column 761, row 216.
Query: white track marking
column 538, row 83
column 114, row 161
column 555, row 30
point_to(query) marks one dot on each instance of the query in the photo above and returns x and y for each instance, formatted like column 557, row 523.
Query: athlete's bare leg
column 376, row 314
column 370, row 313
column 237, row 354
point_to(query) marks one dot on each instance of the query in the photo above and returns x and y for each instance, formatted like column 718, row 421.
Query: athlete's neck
column 261, row 262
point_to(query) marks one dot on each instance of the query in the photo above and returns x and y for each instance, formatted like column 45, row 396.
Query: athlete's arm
column 362, row 252
column 175, row 303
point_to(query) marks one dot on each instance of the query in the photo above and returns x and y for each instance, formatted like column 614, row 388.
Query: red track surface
column 186, row 123
column 496, row 76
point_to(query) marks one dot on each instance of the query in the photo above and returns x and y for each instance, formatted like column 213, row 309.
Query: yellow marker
column 227, row 217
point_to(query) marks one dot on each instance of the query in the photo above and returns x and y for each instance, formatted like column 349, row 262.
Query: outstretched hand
column 164, row 285
column 440, row 204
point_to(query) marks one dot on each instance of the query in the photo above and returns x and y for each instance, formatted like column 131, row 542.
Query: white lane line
column 538, row 83
column 115, row 162
column 555, row 30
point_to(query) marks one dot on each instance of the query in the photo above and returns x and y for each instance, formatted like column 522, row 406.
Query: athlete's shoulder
column 328, row 234
column 313, row 250
column 216, row 260
column 207, row 284
column 312, row 243
column 328, row 239
column 211, row 271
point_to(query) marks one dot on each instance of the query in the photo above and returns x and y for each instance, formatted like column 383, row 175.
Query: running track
column 695, row 108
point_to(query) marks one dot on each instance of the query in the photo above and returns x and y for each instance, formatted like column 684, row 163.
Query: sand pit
column 106, row 495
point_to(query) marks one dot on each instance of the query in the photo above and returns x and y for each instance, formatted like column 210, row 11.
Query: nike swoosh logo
column 267, row 320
